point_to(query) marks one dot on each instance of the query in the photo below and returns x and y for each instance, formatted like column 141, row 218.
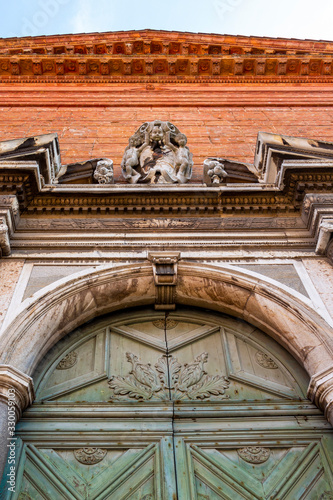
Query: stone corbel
column 9, row 217
column 4, row 238
column 324, row 236
column 165, row 278
column 320, row 392
column 13, row 381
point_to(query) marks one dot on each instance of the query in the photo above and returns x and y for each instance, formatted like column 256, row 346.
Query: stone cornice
column 155, row 56
column 284, row 170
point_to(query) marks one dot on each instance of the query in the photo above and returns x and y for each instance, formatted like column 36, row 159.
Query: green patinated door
column 190, row 406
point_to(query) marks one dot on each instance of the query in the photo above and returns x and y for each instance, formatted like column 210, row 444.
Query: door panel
column 98, row 474
column 254, row 472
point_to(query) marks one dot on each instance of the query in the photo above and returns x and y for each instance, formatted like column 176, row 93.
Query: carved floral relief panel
column 178, row 359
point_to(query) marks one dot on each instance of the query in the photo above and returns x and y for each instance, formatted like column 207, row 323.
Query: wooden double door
column 190, row 405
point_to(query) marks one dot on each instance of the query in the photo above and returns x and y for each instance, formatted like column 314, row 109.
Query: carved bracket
column 324, row 236
column 165, row 278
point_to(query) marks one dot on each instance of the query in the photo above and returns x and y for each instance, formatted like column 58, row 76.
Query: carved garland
column 169, row 380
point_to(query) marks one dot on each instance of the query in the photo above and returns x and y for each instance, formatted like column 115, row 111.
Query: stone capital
column 320, row 392
column 13, row 381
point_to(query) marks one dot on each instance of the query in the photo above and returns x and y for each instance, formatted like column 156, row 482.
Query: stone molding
column 150, row 95
column 12, row 378
column 70, row 302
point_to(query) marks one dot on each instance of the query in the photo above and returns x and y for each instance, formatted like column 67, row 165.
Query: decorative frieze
column 163, row 57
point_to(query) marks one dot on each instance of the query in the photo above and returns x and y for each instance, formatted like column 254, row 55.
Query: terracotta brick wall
column 103, row 131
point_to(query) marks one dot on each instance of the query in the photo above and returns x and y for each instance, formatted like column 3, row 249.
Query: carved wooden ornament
column 254, row 454
column 169, row 380
column 89, row 456
column 68, row 361
column 265, row 361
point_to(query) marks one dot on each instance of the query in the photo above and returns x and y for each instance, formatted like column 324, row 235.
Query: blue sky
column 284, row 18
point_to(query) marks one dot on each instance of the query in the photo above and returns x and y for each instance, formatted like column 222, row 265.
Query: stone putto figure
column 104, row 171
column 214, row 171
column 157, row 154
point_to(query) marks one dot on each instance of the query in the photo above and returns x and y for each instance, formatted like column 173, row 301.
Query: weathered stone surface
column 9, row 274
column 71, row 301
column 42, row 276
column 320, row 272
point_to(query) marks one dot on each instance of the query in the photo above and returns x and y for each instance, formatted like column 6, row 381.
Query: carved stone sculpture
column 157, row 154
column 217, row 171
column 104, row 171
column 169, row 380
column 214, row 172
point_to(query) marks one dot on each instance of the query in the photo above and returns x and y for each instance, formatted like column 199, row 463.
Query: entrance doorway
column 192, row 404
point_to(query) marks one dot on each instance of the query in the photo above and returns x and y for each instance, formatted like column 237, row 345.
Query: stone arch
column 61, row 307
